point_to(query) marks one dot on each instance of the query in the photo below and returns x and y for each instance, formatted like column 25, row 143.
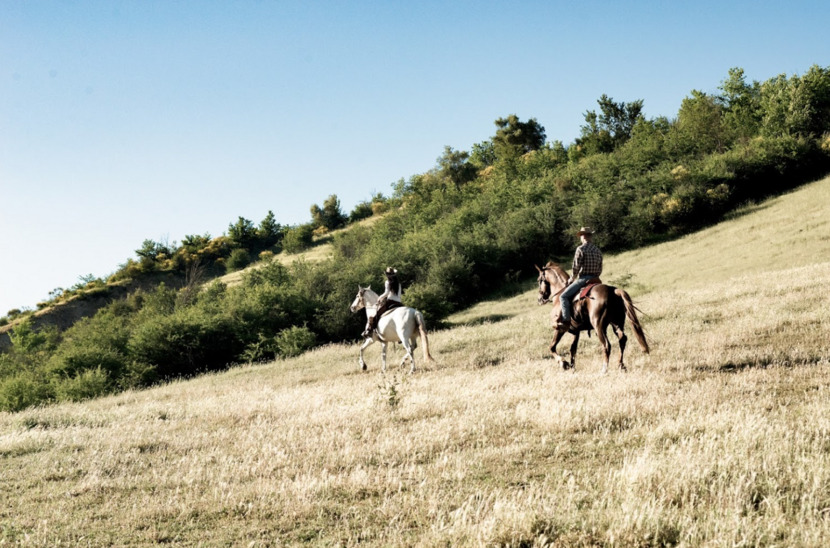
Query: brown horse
column 605, row 305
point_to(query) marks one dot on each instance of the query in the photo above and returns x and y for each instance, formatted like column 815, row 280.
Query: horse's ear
column 537, row 268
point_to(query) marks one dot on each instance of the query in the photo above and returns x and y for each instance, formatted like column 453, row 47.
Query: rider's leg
column 566, row 299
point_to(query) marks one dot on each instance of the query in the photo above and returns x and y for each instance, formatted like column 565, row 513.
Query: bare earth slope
column 720, row 437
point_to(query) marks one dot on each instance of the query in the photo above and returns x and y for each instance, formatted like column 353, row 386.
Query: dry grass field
column 719, row 437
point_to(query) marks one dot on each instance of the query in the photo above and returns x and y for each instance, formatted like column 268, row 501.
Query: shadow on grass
column 481, row 320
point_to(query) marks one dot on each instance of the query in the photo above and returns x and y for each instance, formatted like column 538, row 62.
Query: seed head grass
column 719, row 437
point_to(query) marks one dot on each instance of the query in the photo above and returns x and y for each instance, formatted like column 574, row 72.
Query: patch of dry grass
column 720, row 437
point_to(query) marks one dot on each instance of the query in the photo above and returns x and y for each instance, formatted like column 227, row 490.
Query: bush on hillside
column 294, row 340
column 89, row 384
column 239, row 259
column 298, row 238
column 23, row 389
column 186, row 342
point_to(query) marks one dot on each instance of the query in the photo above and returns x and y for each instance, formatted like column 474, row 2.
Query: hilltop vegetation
column 479, row 219
column 719, row 437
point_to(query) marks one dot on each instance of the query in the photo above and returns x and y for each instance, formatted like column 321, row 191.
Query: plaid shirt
column 587, row 260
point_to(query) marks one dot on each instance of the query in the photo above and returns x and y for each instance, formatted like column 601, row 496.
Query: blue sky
column 125, row 121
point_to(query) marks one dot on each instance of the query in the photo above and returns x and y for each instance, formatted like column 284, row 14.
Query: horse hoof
column 364, row 367
column 565, row 366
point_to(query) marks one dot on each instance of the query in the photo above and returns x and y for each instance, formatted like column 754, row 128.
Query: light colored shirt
column 391, row 293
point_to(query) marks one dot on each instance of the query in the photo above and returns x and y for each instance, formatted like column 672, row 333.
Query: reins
column 554, row 295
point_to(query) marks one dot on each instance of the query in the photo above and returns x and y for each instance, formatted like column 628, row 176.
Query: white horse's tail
column 419, row 318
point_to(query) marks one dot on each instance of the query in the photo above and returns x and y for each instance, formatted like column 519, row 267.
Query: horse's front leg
column 383, row 346
column 558, row 337
column 363, row 346
column 574, row 344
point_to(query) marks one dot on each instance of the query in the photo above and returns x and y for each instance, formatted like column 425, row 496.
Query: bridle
column 543, row 279
column 361, row 302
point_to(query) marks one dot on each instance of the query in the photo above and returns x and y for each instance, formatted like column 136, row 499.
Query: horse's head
column 365, row 297
column 544, row 286
column 358, row 302
column 551, row 279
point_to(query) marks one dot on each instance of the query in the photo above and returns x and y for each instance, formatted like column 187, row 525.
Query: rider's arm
column 577, row 266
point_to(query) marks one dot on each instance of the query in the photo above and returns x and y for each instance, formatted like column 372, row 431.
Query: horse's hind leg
column 409, row 356
column 606, row 347
column 623, row 339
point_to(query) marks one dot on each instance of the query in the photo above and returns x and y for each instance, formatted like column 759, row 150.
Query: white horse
column 396, row 325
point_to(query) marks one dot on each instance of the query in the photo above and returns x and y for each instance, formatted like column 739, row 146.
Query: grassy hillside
column 720, row 437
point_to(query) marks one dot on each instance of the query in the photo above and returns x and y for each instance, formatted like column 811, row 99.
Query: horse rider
column 391, row 298
column 587, row 265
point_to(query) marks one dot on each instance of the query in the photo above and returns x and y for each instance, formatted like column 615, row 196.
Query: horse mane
column 557, row 273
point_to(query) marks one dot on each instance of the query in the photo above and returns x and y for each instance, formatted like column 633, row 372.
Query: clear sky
column 122, row 121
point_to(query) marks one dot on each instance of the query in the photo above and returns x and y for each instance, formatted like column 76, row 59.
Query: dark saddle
column 388, row 305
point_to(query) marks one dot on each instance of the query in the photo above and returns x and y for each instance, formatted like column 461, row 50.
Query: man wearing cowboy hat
column 587, row 265
column 391, row 298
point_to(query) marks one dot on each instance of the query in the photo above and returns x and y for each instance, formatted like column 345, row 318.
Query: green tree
column 269, row 231
column 330, row 215
column 151, row 250
column 610, row 128
column 455, row 167
column 483, row 154
column 194, row 243
column 796, row 106
column 699, row 128
column 742, row 104
column 243, row 233
column 514, row 137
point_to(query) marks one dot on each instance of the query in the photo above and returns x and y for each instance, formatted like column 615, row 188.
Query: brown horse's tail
column 631, row 312
column 423, row 329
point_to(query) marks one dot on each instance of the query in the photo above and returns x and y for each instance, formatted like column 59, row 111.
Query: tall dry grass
column 720, row 437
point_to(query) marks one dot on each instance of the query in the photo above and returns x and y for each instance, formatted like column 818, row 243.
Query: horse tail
column 419, row 318
column 631, row 313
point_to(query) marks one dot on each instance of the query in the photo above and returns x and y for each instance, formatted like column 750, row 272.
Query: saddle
column 592, row 283
column 389, row 306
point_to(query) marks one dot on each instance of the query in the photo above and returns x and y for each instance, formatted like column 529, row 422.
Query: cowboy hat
column 390, row 270
column 585, row 230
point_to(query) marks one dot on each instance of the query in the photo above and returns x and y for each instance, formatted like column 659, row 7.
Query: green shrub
column 298, row 238
column 88, row 384
column 262, row 349
column 239, row 259
column 75, row 359
column 185, row 342
column 294, row 341
column 361, row 211
column 429, row 299
column 23, row 390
